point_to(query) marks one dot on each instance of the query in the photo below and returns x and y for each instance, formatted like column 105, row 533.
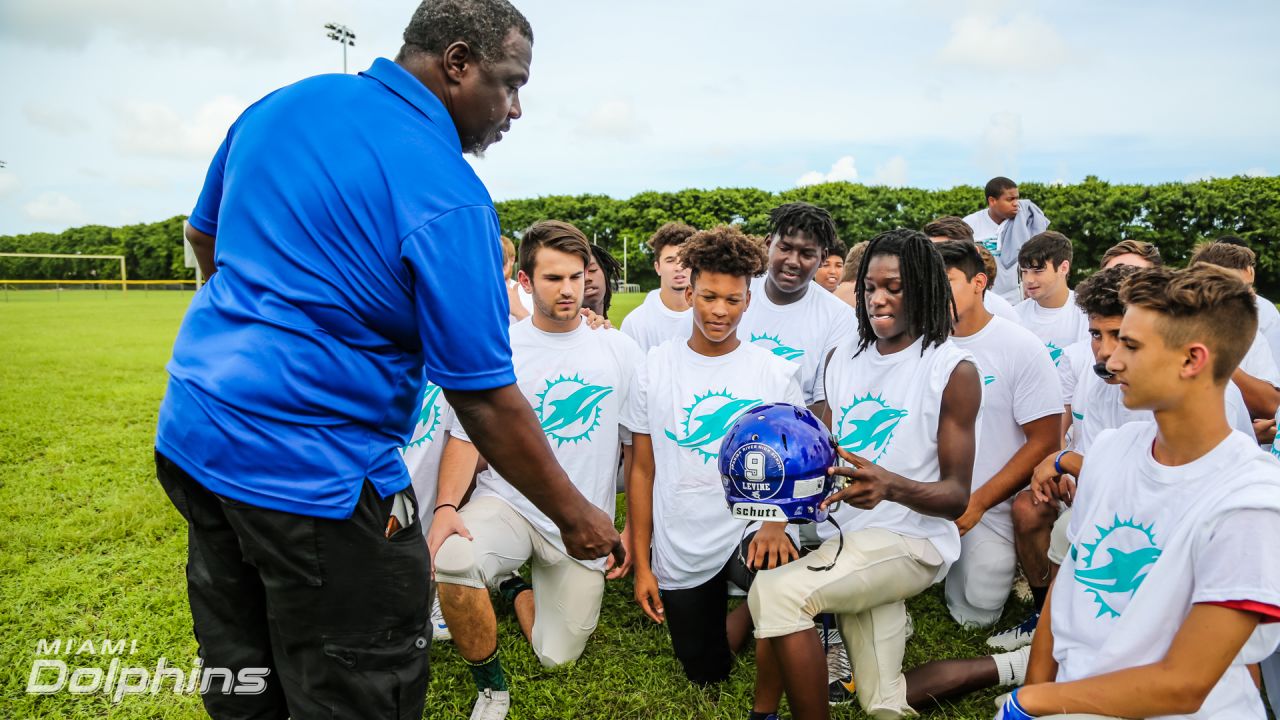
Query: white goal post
column 124, row 273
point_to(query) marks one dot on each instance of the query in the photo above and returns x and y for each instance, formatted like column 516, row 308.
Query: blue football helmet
column 773, row 465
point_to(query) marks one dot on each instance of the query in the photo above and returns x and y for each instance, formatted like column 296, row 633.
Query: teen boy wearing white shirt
column 577, row 380
column 664, row 314
column 1050, row 310
column 1172, row 584
column 686, row 395
column 903, row 402
column 789, row 316
column 1021, row 417
column 950, row 227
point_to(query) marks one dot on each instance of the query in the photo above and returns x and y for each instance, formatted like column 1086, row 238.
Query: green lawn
column 91, row 548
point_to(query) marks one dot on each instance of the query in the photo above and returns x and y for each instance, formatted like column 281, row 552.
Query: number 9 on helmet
column 773, row 465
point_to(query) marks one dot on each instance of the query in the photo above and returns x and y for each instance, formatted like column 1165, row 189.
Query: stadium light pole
column 343, row 35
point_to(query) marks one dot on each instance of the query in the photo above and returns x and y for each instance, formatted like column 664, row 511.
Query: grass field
column 90, row 547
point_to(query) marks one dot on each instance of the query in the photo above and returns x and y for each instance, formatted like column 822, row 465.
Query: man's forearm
column 640, row 501
column 947, row 498
column 457, row 468
column 505, row 431
column 1260, row 397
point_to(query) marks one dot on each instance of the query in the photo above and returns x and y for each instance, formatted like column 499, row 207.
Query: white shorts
column 566, row 593
column 1058, row 544
column 978, row 584
column 866, row 589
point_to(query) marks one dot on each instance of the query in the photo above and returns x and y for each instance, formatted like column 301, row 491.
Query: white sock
column 1012, row 666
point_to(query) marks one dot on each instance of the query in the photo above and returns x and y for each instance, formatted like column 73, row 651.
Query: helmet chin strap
column 839, row 547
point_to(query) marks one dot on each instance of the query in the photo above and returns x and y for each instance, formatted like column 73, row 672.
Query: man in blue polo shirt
column 350, row 237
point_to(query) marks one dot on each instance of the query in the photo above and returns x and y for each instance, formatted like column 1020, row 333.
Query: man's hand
column 1265, row 431
column 970, row 517
column 770, row 547
column 592, row 535
column 445, row 523
column 594, row 321
column 867, row 485
column 613, row 568
column 1047, row 485
column 647, row 595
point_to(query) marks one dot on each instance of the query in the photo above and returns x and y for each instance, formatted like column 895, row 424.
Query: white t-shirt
column 577, row 383
column 1148, row 541
column 802, row 332
column 1098, row 406
column 686, row 402
column 1019, row 385
column 1056, row 327
column 986, row 232
column 653, row 323
column 998, row 306
column 1259, row 362
column 886, row 408
column 426, row 445
column 1269, row 324
column 1077, row 358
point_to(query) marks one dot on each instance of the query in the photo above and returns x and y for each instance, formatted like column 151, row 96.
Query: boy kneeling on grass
column 686, row 396
column 1172, row 583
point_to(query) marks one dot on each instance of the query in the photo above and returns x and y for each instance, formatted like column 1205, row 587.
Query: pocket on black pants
column 376, row 674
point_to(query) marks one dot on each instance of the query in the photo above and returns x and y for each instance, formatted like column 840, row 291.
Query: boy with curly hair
column 685, row 397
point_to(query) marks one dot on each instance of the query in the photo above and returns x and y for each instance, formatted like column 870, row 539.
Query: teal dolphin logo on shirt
column 569, row 409
column 774, row 344
column 707, row 420
column 1055, row 353
column 1113, row 566
column 428, row 417
column 988, row 379
column 866, row 426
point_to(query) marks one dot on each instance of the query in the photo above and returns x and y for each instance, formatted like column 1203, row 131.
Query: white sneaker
column 1017, row 636
column 439, row 631
column 491, row 705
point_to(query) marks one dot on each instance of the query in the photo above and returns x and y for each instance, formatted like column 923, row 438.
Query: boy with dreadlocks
column 903, row 404
column 598, row 283
column 686, row 395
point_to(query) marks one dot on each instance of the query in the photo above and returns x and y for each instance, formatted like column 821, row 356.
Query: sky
column 111, row 111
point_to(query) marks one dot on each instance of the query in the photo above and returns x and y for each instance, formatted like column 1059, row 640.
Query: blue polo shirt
column 357, row 251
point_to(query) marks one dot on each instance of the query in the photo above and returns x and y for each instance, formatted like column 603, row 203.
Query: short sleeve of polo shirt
column 460, row 299
column 205, row 215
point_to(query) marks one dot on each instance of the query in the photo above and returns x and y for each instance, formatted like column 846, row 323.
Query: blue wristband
column 1013, row 709
column 1057, row 462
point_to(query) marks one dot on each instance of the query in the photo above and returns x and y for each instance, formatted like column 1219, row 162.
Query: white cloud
column 843, row 169
column 614, row 119
column 54, row 207
column 155, row 129
column 9, row 183
column 982, row 40
column 55, row 119
column 1000, row 144
column 892, row 172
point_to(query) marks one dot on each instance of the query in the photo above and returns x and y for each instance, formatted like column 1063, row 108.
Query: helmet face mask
column 773, row 465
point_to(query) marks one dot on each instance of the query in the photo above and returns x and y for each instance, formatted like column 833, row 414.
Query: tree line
column 1095, row 214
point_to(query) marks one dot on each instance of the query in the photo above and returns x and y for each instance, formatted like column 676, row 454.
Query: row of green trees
column 1094, row 214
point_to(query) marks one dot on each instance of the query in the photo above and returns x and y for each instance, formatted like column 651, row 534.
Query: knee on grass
column 456, row 563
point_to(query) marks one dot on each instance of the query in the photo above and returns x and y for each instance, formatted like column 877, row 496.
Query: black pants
column 337, row 612
column 696, row 620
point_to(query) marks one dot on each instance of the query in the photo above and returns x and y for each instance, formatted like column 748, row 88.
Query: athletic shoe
column 1019, row 635
column 439, row 631
column 491, row 705
column 839, row 674
column 511, row 588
